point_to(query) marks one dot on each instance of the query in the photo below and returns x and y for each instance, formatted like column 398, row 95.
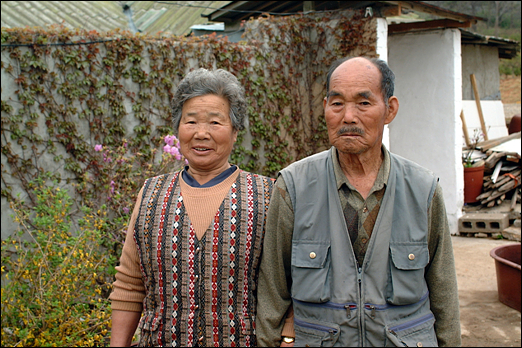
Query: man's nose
column 350, row 113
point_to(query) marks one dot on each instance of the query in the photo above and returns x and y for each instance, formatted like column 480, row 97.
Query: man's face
column 355, row 109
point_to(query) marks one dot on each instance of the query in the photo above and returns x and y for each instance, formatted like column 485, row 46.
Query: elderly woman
column 190, row 260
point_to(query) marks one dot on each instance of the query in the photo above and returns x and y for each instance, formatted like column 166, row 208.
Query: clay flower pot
column 473, row 180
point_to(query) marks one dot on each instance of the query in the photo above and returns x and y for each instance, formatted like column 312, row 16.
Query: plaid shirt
column 360, row 214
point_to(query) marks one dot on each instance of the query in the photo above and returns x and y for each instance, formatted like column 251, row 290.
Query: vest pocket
column 314, row 334
column 418, row 332
column 247, row 333
column 310, row 271
column 149, row 323
column 407, row 284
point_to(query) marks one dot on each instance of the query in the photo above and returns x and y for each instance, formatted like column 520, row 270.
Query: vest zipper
column 349, row 309
column 348, row 306
column 360, row 312
column 375, row 307
column 411, row 323
column 332, row 331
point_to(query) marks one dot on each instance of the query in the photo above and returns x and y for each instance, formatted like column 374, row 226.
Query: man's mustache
column 350, row 130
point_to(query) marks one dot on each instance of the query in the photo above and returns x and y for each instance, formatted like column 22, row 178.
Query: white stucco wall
column 382, row 51
column 427, row 129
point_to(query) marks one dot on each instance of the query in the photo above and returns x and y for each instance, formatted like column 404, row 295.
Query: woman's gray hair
column 219, row 82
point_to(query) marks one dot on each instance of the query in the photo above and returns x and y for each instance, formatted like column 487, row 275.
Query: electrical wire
column 227, row 10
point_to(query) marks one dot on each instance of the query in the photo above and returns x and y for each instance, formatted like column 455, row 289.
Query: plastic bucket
column 507, row 265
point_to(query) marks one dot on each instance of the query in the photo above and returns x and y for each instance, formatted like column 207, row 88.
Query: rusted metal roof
column 170, row 17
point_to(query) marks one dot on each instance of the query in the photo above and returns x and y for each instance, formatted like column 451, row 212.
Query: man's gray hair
column 387, row 75
column 219, row 82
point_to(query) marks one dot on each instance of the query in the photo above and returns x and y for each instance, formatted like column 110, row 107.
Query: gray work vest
column 385, row 302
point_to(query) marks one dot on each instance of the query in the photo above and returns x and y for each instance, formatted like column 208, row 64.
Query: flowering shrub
column 54, row 292
column 58, row 272
column 120, row 177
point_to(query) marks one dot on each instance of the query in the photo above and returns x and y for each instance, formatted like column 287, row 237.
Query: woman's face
column 206, row 134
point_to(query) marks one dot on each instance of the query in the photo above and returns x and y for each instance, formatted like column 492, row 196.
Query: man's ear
column 393, row 109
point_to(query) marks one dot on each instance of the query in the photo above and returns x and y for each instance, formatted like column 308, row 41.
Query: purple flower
column 125, row 210
column 112, row 186
column 174, row 151
column 171, row 140
column 98, row 147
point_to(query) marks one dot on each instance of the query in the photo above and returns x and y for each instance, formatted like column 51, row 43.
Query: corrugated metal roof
column 170, row 17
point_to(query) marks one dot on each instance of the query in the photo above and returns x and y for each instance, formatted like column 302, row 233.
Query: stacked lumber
column 502, row 173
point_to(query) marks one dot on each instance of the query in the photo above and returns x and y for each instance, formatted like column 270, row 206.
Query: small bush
column 510, row 66
column 55, row 283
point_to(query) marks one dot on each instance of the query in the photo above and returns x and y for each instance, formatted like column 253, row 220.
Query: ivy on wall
column 64, row 91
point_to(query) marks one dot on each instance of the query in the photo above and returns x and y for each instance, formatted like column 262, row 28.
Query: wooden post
column 464, row 128
column 479, row 108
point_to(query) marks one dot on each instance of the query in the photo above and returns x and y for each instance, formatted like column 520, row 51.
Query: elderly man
column 357, row 241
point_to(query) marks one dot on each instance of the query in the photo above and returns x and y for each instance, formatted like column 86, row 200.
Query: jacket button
column 419, row 344
column 312, row 255
column 411, row 257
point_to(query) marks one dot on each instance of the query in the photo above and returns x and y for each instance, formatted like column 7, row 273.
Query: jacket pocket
column 313, row 334
column 310, row 271
column 417, row 332
column 407, row 263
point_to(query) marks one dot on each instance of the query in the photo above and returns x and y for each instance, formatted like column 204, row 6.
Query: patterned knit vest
column 200, row 292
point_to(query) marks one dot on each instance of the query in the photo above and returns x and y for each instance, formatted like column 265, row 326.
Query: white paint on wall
column 382, row 39
column 427, row 129
column 382, row 52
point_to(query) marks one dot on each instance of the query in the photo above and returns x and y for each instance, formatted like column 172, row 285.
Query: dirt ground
column 510, row 89
column 485, row 321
